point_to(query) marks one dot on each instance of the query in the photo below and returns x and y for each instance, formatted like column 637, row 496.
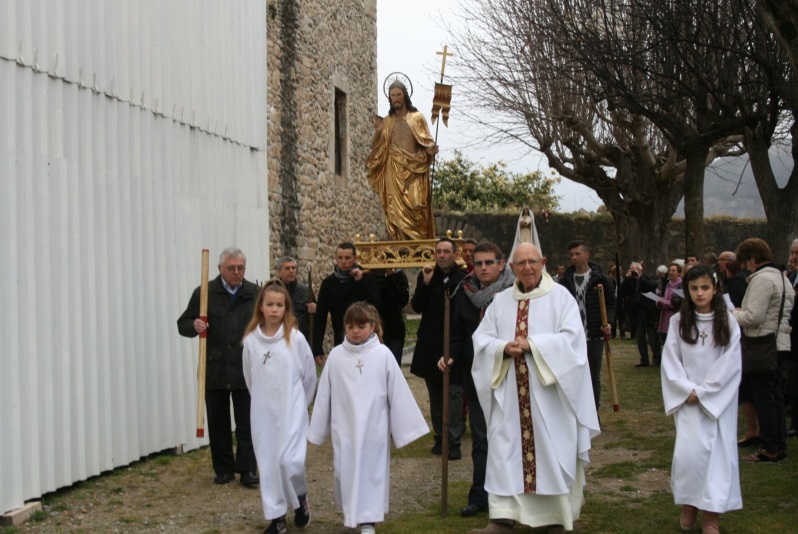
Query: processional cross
column 443, row 61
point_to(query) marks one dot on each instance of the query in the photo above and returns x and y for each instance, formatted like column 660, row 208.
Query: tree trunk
column 694, row 201
column 781, row 204
column 782, row 17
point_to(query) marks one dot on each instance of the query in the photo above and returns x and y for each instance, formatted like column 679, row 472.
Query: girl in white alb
column 281, row 376
column 701, row 370
column 363, row 400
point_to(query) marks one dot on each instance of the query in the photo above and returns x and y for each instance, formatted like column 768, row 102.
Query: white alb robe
column 364, row 400
column 281, row 381
column 705, row 471
column 563, row 410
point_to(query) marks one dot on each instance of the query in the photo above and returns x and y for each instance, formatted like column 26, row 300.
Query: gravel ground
column 175, row 493
column 167, row 493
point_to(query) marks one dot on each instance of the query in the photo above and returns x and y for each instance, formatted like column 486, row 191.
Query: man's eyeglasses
column 235, row 268
column 486, row 263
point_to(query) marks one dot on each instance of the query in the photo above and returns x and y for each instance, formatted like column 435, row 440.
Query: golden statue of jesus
column 398, row 168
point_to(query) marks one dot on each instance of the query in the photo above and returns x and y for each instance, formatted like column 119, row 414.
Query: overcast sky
column 409, row 32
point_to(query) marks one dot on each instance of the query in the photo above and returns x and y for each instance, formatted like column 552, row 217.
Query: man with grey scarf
column 346, row 285
column 470, row 300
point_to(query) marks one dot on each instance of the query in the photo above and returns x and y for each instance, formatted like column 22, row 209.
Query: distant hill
column 729, row 187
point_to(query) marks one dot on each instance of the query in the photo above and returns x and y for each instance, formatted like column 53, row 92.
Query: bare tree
column 782, row 17
column 707, row 74
column 667, row 61
column 538, row 96
column 634, row 98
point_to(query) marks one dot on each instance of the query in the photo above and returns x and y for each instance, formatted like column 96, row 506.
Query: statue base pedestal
column 374, row 254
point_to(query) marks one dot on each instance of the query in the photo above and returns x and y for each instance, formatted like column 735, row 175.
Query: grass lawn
column 628, row 485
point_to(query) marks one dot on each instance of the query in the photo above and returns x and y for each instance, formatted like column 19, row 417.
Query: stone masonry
column 316, row 47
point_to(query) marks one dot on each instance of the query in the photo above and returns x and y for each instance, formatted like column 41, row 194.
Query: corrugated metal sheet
column 132, row 135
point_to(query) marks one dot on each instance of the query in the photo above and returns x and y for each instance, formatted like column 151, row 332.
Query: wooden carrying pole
column 608, row 350
column 311, row 299
column 203, row 342
column 445, row 415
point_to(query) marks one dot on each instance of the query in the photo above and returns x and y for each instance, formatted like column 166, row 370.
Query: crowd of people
column 525, row 358
column 523, row 347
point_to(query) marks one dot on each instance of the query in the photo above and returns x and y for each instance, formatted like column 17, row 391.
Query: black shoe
column 472, row 510
column 642, row 365
column 277, row 526
column 455, row 454
column 753, row 441
column 437, row 448
column 249, row 479
column 224, row 478
column 302, row 514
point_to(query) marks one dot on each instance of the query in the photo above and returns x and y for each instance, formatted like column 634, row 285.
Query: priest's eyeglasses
column 486, row 263
column 530, row 262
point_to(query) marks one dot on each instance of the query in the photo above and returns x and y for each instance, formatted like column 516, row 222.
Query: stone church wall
column 314, row 48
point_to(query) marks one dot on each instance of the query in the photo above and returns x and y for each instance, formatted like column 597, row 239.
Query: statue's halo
column 397, row 77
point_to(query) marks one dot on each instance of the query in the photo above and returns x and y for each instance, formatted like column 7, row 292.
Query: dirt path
column 176, row 494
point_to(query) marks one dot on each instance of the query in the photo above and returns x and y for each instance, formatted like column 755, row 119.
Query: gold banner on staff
column 442, row 103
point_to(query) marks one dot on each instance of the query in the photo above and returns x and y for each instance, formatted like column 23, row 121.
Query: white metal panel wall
column 132, row 135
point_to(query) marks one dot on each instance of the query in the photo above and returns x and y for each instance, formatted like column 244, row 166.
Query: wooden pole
column 203, row 342
column 608, row 351
column 445, row 415
column 311, row 299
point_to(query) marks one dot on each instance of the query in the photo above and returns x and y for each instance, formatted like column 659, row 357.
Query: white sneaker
column 367, row 529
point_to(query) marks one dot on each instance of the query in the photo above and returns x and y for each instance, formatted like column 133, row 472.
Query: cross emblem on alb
column 703, row 336
column 266, row 356
column 359, row 366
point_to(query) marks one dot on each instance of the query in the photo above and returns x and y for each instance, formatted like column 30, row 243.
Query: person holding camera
column 670, row 302
column 647, row 316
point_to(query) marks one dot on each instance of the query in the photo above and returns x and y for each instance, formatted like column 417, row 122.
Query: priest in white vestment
column 705, row 470
column 533, row 381
column 364, row 400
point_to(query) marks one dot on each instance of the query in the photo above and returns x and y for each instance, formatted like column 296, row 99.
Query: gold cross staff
column 443, row 62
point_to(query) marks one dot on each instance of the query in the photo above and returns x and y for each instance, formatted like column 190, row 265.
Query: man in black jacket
column 428, row 300
column 470, row 300
column 286, row 273
column 647, row 316
column 581, row 279
column 231, row 300
column 394, row 295
column 346, row 285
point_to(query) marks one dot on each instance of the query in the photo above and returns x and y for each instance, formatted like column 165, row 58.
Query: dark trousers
column 479, row 444
column 644, row 328
column 767, row 395
column 396, row 346
column 435, row 390
column 220, row 435
column 595, row 354
column 791, row 391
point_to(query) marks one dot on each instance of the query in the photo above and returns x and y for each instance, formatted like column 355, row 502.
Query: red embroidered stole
column 524, row 406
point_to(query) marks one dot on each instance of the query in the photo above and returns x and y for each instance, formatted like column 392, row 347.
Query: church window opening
column 341, row 134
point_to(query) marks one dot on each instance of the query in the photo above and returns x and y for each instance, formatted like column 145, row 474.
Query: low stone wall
column 597, row 229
